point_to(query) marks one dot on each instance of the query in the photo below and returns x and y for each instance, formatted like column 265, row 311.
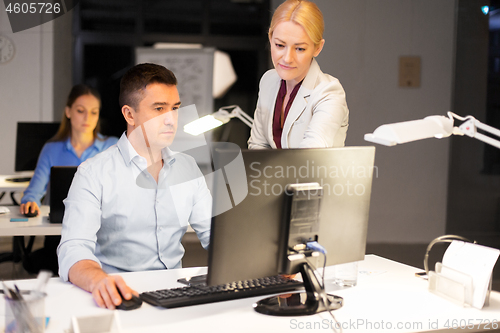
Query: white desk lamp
column 440, row 127
column 216, row 119
column 432, row 126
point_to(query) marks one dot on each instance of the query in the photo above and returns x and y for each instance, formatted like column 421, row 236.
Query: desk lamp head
column 216, row 119
column 432, row 126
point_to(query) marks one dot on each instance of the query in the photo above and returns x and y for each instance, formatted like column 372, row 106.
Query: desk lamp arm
column 233, row 111
column 470, row 126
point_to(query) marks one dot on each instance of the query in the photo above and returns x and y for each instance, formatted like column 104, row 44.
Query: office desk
column 6, row 186
column 36, row 226
column 13, row 187
column 388, row 298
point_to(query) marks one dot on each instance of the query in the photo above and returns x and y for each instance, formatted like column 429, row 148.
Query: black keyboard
column 201, row 294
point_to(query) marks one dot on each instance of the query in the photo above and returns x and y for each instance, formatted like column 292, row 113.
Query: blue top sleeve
column 40, row 179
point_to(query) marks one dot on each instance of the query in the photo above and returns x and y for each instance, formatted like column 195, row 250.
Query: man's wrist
column 86, row 274
column 96, row 276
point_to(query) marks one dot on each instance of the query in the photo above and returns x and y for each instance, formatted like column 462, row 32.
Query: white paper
column 461, row 281
column 475, row 260
column 4, row 210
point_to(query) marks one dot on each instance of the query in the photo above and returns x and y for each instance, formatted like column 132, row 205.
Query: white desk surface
column 388, row 298
column 6, row 186
column 35, row 226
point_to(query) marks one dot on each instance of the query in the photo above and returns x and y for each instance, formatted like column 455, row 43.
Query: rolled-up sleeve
column 82, row 219
column 201, row 214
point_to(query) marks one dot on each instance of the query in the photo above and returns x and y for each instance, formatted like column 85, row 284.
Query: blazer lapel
column 300, row 102
column 274, row 87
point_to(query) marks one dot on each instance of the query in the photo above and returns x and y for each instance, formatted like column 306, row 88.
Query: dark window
column 108, row 31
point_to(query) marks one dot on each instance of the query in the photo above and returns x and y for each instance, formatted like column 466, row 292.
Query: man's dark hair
column 137, row 78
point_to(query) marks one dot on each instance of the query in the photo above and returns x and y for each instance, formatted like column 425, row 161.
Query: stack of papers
column 4, row 210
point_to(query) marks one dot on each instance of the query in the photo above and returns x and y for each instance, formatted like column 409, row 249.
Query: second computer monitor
column 61, row 178
column 245, row 239
column 30, row 138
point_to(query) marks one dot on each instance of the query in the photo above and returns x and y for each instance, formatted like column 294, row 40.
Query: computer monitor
column 30, row 138
column 61, row 178
column 245, row 240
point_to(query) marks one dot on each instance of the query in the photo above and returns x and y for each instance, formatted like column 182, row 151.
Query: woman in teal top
column 77, row 139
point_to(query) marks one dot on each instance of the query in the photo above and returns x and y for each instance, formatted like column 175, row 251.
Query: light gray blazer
column 318, row 117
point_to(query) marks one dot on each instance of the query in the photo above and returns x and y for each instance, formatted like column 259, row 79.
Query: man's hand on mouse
column 28, row 207
column 88, row 275
column 105, row 293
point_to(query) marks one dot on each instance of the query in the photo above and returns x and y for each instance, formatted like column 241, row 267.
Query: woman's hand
column 28, row 207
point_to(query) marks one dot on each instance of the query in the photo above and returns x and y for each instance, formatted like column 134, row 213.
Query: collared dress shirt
column 60, row 153
column 117, row 215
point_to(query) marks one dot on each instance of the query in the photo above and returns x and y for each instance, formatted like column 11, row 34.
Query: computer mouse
column 31, row 214
column 130, row 304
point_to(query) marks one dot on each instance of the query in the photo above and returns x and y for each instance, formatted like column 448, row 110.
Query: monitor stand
column 313, row 300
column 197, row 280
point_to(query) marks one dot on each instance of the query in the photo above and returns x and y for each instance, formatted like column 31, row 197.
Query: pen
column 5, row 290
column 23, row 292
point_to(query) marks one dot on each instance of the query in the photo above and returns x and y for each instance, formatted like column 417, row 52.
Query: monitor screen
column 30, row 138
column 61, row 178
column 245, row 240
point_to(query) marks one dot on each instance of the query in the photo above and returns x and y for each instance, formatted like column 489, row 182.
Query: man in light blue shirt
column 128, row 207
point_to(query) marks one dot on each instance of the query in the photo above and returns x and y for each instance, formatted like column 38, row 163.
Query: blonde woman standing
column 299, row 106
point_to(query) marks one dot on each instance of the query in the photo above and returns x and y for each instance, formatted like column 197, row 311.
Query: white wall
column 364, row 40
column 26, row 88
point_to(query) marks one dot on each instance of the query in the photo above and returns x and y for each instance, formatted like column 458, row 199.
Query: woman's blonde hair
column 64, row 130
column 303, row 12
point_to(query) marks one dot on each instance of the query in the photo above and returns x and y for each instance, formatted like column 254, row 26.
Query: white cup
column 346, row 275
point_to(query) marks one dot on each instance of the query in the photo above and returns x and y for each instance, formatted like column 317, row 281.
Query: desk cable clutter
column 465, row 274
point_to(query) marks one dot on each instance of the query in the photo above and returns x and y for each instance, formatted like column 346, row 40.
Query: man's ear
column 128, row 114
